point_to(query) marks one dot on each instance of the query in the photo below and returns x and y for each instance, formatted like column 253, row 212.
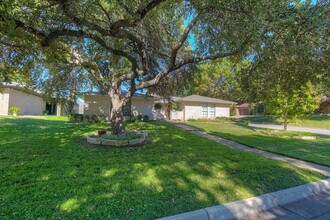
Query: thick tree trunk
column 72, row 98
column 286, row 121
column 116, row 116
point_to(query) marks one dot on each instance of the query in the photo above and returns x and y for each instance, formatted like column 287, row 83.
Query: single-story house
column 30, row 102
column 189, row 107
column 140, row 104
column 196, row 107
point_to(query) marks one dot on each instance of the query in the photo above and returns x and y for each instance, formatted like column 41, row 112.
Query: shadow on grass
column 261, row 119
column 47, row 174
column 319, row 117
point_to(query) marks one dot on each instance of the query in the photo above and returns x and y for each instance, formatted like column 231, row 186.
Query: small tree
column 294, row 104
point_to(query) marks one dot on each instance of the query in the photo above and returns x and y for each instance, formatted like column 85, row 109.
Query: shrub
column 158, row 106
column 86, row 118
column 74, row 117
column 139, row 117
column 94, row 118
column 233, row 119
column 71, row 117
column 145, row 118
column 191, row 120
column 45, row 112
column 102, row 117
column 103, row 122
column 222, row 118
column 260, row 109
column 14, row 109
column 130, row 118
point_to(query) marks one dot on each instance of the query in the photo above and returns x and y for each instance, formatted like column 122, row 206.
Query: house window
column 212, row 110
column 204, row 111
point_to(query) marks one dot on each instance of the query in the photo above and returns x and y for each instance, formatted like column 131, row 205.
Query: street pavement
column 292, row 128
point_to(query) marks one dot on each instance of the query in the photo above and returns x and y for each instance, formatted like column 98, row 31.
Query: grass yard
column 318, row 121
column 47, row 172
column 317, row 151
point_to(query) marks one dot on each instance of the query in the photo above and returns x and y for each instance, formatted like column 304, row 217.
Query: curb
column 239, row 209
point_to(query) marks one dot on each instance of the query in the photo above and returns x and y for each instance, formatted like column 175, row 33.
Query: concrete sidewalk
column 309, row 201
column 292, row 128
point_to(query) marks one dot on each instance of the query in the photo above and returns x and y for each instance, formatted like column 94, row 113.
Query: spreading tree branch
column 196, row 60
column 142, row 11
column 182, row 40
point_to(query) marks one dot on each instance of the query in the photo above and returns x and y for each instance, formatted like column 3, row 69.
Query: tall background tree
column 292, row 61
column 218, row 80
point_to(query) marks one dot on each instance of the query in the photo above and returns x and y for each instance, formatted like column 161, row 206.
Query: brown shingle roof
column 198, row 98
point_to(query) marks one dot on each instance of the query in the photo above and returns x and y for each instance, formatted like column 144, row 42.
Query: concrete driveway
column 292, row 128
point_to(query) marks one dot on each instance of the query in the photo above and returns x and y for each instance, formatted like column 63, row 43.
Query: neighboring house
column 243, row 109
column 30, row 102
column 325, row 105
column 96, row 104
column 196, row 107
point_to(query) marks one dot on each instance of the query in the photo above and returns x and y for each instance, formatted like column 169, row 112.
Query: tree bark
column 286, row 121
column 116, row 115
column 72, row 97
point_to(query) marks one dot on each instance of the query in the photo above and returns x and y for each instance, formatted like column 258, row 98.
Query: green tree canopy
column 293, row 105
column 137, row 43
column 218, row 80
column 295, row 51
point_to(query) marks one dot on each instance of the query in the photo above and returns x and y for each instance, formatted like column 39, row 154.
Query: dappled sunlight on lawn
column 71, row 204
column 48, row 172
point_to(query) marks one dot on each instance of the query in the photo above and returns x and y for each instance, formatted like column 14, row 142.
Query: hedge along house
column 140, row 104
column 30, row 102
column 197, row 107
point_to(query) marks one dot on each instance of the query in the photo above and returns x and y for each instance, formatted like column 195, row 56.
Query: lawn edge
column 248, row 145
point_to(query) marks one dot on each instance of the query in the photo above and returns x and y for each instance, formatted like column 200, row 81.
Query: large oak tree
column 132, row 43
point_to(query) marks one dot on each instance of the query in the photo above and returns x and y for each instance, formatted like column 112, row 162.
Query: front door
column 51, row 108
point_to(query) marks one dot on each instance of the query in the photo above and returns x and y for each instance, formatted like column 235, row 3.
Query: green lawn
column 48, row 172
column 319, row 121
column 317, row 151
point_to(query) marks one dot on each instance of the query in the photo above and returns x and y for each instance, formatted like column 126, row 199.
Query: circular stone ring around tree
column 99, row 140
